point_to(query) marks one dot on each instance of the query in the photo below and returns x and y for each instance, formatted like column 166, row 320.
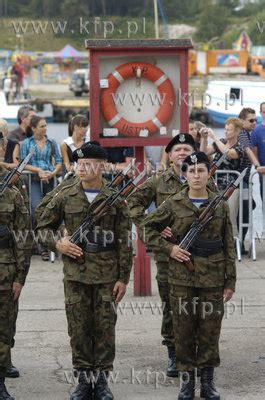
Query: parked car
column 80, row 82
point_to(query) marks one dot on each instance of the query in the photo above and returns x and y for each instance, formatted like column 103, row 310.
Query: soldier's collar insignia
column 80, row 153
column 193, row 159
column 182, row 138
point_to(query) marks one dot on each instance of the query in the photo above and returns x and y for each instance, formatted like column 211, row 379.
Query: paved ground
column 42, row 350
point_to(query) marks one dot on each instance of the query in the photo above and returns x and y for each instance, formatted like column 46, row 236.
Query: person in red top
column 18, row 71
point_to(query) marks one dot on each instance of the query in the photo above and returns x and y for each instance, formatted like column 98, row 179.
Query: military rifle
column 217, row 164
column 206, row 216
column 11, row 177
column 122, row 175
column 102, row 209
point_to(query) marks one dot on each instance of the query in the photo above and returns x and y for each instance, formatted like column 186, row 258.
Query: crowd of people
column 177, row 195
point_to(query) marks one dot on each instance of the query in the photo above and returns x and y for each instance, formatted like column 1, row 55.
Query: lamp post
column 156, row 19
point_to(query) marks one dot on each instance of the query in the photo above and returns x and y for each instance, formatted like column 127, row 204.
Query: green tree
column 256, row 30
column 212, row 22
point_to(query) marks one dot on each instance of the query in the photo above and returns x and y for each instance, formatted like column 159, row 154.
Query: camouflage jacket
column 157, row 189
column 46, row 199
column 14, row 215
column 71, row 206
column 20, row 184
column 178, row 212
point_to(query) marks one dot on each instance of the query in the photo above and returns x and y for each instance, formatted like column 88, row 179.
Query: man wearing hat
column 93, row 287
column 197, row 298
column 158, row 189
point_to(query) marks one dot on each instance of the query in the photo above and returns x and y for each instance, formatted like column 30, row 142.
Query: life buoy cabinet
column 160, row 80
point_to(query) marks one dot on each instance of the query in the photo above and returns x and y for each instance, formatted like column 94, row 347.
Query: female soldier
column 197, row 298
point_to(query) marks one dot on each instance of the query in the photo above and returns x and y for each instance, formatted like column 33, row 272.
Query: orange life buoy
column 161, row 81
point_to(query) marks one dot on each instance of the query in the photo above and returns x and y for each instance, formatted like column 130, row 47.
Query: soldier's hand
column 227, row 295
column 119, row 291
column 166, row 232
column 16, row 289
column 179, row 254
column 64, row 246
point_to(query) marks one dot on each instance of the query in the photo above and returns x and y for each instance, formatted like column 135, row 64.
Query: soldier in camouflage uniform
column 92, row 287
column 197, row 298
column 158, row 189
column 12, row 371
column 14, row 224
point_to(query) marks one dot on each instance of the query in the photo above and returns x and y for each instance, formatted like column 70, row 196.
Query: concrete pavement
column 42, row 351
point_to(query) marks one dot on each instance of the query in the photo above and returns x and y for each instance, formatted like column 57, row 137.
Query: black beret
column 181, row 138
column 198, row 157
column 90, row 149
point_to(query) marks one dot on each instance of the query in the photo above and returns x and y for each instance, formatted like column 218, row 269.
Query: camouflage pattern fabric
column 88, row 287
column 197, row 318
column 71, row 206
column 13, row 268
column 91, row 318
column 196, row 298
column 158, row 189
column 167, row 324
column 46, row 199
column 178, row 212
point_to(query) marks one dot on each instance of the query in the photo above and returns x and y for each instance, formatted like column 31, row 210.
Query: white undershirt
column 91, row 194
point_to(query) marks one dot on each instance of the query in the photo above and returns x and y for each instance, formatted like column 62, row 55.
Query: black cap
column 181, row 138
column 90, row 150
column 198, row 157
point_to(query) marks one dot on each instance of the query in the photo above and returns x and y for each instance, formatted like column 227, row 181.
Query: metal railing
column 238, row 238
column 252, row 236
column 29, row 174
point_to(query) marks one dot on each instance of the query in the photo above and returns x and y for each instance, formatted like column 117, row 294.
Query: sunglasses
column 252, row 120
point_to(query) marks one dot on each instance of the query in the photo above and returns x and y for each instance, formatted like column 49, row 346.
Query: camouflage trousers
column 167, row 331
column 197, row 319
column 91, row 318
column 7, row 312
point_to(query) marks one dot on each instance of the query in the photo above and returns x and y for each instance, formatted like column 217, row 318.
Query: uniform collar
column 183, row 196
column 171, row 174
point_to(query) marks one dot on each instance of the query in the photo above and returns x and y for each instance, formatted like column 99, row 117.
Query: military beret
column 90, row 149
column 198, row 157
column 181, row 138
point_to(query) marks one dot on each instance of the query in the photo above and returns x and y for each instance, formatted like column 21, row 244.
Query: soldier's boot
column 12, row 372
column 187, row 390
column 171, row 366
column 101, row 388
column 4, row 395
column 208, row 389
column 84, row 389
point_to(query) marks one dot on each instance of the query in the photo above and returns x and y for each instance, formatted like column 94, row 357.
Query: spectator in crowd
column 45, row 164
column 118, row 159
column 196, row 130
column 24, row 130
column 233, row 161
column 6, row 147
column 77, row 128
column 258, row 142
column 248, row 117
column 192, row 128
column 7, row 87
column 156, row 158
column 18, row 73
